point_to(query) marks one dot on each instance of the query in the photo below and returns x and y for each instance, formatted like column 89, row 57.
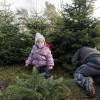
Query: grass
column 8, row 75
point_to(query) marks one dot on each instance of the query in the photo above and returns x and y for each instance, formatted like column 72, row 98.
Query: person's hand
column 50, row 67
column 26, row 65
column 36, row 66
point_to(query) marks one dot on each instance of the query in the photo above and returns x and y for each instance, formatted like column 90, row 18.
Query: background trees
column 13, row 43
column 66, row 31
column 77, row 30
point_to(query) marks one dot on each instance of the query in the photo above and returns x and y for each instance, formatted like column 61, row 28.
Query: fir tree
column 36, row 87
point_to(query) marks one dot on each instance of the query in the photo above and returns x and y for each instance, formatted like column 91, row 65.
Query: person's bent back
column 89, row 70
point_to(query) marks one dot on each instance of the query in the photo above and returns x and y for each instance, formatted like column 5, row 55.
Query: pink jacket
column 40, row 57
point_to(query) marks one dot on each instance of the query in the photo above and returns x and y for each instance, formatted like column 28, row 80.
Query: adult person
column 89, row 70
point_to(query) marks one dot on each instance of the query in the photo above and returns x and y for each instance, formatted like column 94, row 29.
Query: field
column 8, row 75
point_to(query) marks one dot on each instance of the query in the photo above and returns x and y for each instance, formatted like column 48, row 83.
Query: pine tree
column 36, row 87
column 76, row 31
column 78, row 15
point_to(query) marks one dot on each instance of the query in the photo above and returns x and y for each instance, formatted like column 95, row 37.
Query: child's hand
column 36, row 66
column 26, row 65
column 50, row 67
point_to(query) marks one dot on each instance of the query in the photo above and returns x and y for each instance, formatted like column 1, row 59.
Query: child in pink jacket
column 41, row 56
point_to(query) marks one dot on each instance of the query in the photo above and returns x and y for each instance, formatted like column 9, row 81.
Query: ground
column 8, row 75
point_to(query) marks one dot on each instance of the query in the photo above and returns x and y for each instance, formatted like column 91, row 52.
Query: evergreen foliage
column 77, row 30
column 36, row 87
column 13, row 44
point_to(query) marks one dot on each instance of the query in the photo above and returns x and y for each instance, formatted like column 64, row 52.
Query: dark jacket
column 85, row 54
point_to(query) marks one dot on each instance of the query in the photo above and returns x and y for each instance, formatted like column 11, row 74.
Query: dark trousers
column 44, row 70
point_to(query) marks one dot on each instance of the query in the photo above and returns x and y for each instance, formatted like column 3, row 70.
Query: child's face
column 40, row 43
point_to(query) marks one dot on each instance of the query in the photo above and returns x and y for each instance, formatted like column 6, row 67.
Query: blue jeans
column 85, row 71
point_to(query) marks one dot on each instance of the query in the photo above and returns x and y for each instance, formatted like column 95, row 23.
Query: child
column 41, row 56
